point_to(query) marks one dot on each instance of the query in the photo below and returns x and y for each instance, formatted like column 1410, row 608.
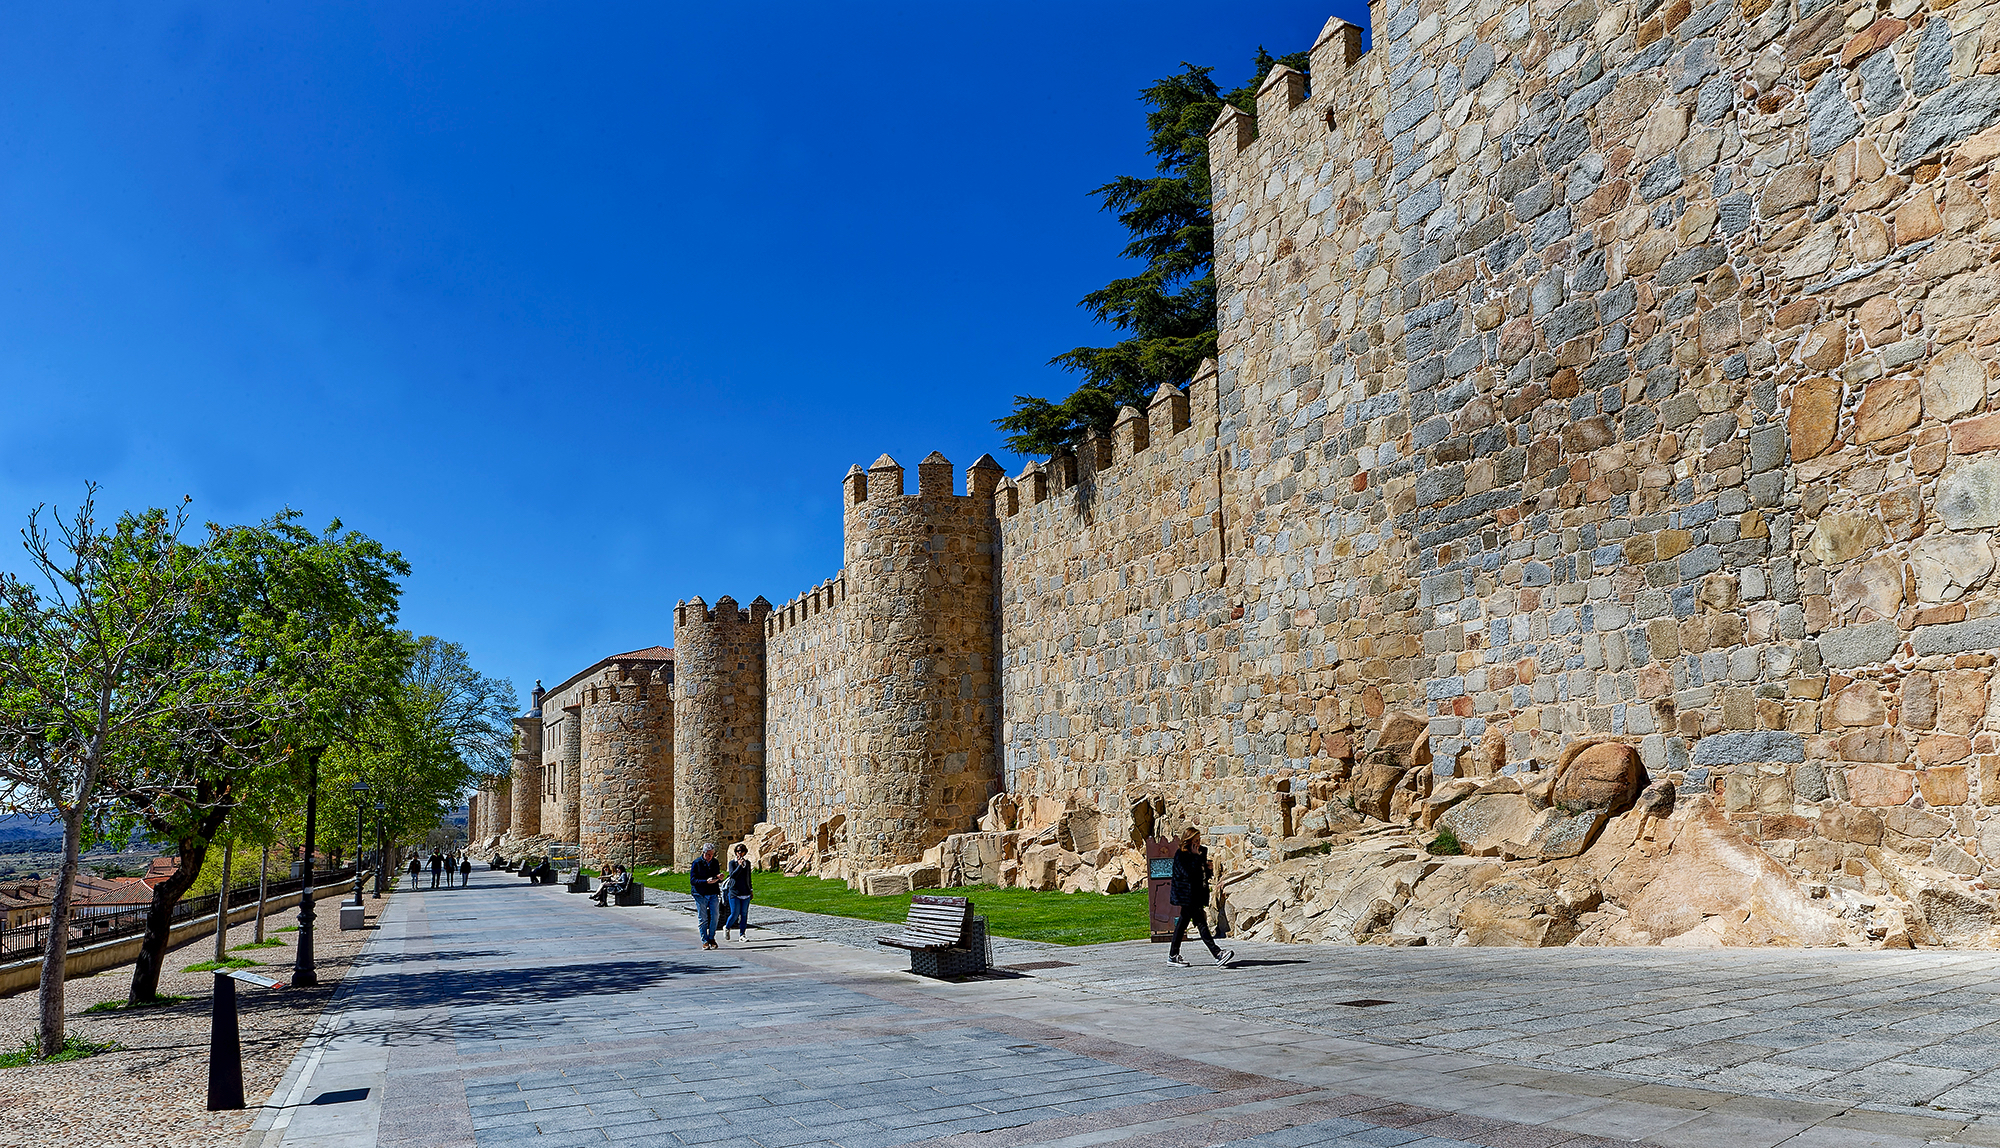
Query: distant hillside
column 20, row 827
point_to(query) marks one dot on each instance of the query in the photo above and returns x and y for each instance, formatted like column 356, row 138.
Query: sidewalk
column 508, row 1013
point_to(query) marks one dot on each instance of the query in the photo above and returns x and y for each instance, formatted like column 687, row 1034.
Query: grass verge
column 217, row 966
column 128, row 1006
column 1024, row 914
column 266, row 944
column 72, row 1049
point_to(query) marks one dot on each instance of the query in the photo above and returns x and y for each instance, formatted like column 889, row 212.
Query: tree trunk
column 263, row 882
column 160, row 921
column 222, row 903
column 55, row 954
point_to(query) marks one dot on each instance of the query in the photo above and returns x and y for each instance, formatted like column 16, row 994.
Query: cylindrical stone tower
column 498, row 816
column 922, row 621
column 628, row 765
column 718, row 723
column 527, row 788
column 569, row 779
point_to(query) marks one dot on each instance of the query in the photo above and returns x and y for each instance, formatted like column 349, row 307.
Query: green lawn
column 1026, row 914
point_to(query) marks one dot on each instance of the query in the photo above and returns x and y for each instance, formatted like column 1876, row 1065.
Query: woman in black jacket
column 1191, row 874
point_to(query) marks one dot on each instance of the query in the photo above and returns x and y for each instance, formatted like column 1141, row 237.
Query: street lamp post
column 381, row 854
column 303, row 974
column 360, row 789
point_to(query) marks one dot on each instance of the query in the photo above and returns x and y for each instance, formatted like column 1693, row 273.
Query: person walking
column 705, row 881
column 1190, row 891
column 464, row 870
column 437, row 867
column 739, row 895
column 416, row 871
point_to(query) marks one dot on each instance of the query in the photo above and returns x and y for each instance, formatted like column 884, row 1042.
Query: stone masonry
column 1599, row 370
column 718, row 722
column 527, row 776
column 627, row 780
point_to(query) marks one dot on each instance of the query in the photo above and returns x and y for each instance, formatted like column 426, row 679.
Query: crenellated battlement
column 624, row 679
column 828, row 595
column 884, row 480
column 695, row 612
column 1169, row 414
column 1288, row 99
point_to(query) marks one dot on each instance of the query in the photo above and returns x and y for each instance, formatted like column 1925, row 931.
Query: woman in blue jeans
column 739, row 894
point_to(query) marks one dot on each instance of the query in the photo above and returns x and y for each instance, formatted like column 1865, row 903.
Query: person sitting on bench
column 545, row 873
column 616, row 882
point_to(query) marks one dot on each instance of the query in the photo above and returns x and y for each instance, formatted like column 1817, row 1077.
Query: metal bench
column 943, row 937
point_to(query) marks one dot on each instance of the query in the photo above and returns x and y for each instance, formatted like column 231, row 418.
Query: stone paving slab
column 506, row 1014
column 1901, row 1030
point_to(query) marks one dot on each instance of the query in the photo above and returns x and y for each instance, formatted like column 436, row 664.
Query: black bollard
column 225, row 1053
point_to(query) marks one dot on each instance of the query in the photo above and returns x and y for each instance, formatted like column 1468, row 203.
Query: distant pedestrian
column 464, row 872
column 1190, row 891
column 739, row 895
column 437, row 867
column 705, row 882
column 416, row 870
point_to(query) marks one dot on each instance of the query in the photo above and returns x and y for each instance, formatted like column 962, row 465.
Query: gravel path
column 154, row 1090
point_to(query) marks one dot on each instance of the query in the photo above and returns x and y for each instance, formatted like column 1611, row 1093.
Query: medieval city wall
column 627, row 777
column 718, row 728
column 1585, row 371
column 923, row 652
column 807, row 736
column 1620, row 370
column 1121, row 581
column 526, row 790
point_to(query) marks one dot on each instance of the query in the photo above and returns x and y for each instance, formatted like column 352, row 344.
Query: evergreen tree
column 1169, row 307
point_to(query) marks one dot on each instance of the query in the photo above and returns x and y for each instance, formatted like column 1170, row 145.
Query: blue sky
column 584, row 308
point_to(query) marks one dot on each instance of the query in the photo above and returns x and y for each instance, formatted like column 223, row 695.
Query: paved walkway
column 506, row 1014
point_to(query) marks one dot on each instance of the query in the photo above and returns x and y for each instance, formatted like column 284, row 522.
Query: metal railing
column 20, row 942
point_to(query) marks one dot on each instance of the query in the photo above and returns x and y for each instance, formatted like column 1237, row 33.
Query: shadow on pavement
column 424, row 958
column 479, row 988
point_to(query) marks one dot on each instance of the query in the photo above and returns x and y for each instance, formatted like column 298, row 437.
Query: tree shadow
column 484, row 988
column 517, row 1007
column 422, row 958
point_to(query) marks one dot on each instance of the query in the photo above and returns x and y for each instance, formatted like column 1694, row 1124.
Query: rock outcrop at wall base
column 1690, row 879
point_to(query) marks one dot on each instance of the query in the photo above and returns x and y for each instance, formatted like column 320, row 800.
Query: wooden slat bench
column 943, row 937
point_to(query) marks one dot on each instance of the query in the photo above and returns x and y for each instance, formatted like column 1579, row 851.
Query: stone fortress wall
column 1621, row 370
column 1586, row 372
column 808, row 738
column 718, row 722
column 592, row 764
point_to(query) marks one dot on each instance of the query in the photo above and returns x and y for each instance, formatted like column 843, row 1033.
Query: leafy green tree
column 1169, row 306
column 448, row 727
column 317, row 613
column 93, row 674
